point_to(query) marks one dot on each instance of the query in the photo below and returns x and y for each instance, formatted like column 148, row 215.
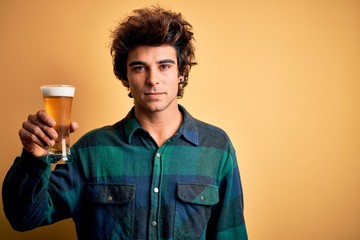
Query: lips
column 154, row 95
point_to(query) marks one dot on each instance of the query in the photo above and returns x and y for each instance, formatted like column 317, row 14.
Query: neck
column 160, row 125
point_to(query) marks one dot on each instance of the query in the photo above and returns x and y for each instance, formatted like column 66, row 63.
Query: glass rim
column 57, row 90
column 57, row 85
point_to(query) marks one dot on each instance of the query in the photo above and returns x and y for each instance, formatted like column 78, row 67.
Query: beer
column 58, row 102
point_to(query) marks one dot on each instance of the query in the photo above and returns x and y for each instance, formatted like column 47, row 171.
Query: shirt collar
column 131, row 124
column 188, row 128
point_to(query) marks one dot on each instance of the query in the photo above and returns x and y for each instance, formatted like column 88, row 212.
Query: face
column 153, row 78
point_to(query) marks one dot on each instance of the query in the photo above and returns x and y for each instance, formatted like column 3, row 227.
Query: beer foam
column 58, row 90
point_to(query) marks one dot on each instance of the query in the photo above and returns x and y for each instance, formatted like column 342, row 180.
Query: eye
column 138, row 68
column 165, row 66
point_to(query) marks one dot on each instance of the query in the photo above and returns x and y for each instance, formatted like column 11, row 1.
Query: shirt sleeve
column 227, row 221
column 31, row 195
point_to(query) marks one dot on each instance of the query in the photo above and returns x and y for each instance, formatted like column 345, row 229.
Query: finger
column 38, row 132
column 28, row 140
column 45, row 118
column 43, row 121
column 74, row 126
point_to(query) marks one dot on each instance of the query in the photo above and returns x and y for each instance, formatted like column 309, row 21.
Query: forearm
column 25, row 196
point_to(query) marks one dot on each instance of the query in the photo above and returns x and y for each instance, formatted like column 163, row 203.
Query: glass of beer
column 58, row 102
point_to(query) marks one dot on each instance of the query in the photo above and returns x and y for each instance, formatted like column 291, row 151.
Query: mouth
column 154, row 95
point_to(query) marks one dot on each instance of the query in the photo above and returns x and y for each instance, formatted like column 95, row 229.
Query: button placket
column 156, row 176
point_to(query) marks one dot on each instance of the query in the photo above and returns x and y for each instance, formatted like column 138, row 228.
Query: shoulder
column 208, row 130
column 213, row 136
column 208, row 135
column 106, row 135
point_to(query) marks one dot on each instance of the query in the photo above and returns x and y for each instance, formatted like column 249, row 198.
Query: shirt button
column 109, row 198
column 158, row 155
column 154, row 223
column 202, row 198
column 156, row 190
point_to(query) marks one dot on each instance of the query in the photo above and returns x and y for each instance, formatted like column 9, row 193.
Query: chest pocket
column 112, row 207
column 193, row 209
column 198, row 193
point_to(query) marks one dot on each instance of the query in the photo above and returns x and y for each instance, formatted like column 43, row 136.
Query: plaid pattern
column 121, row 185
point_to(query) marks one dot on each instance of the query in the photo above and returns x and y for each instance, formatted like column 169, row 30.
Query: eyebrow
column 134, row 63
column 167, row 61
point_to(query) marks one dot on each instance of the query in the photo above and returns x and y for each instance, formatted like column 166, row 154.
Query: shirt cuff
column 29, row 161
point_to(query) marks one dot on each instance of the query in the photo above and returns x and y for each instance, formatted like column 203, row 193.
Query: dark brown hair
column 154, row 26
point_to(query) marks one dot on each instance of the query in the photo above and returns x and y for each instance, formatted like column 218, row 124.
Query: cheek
column 174, row 87
column 134, row 82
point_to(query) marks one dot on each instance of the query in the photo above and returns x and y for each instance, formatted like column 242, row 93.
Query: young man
column 156, row 174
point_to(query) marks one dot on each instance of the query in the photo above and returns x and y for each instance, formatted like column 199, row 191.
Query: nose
column 152, row 78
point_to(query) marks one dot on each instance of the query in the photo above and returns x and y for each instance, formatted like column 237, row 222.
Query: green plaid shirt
column 121, row 185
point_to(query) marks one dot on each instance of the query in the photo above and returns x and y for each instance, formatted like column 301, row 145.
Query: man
column 156, row 174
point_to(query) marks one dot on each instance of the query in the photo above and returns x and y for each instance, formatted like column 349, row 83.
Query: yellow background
column 281, row 77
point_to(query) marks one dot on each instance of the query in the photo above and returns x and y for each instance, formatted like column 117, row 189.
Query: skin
column 153, row 80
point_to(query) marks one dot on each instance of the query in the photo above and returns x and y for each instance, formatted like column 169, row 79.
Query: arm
column 34, row 196
column 227, row 219
column 30, row 197
column 23, row 185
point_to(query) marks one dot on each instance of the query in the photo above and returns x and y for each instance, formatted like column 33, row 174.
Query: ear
column 126, row 83
column 181, row 79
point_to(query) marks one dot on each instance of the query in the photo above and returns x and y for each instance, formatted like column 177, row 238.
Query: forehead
column 150, row 54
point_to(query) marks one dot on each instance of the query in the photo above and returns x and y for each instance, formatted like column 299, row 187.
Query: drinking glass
column 58, row 103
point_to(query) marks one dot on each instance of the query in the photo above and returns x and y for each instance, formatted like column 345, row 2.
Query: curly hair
column 154, row 26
